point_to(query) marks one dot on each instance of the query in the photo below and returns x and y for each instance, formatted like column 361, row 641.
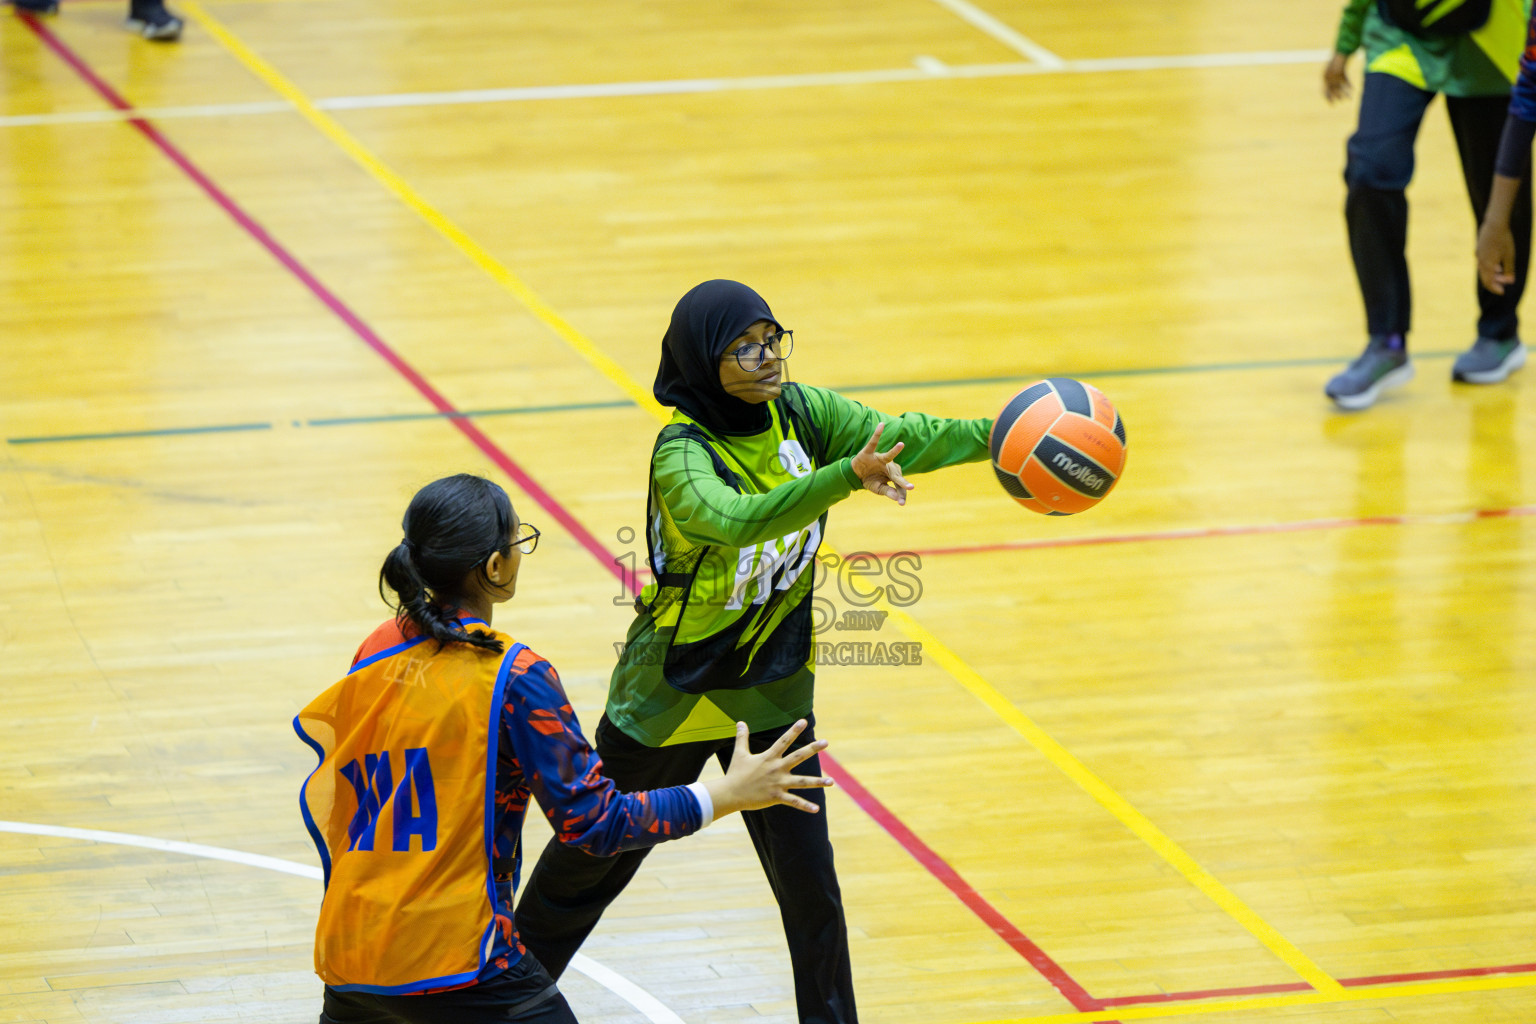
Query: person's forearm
column 1502, row 200
column 707, row 511
column 930, row 442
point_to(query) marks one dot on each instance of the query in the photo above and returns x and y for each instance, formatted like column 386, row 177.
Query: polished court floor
column 1255, row 740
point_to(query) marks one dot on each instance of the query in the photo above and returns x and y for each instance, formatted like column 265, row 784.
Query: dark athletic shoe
column 1379, row 367
column 150, row 19
column 1489, row 361
column 36, row 6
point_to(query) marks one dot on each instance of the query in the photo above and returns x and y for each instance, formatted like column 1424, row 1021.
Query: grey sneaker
column 1489, row 361
column 1379, row 367
column 150, row 19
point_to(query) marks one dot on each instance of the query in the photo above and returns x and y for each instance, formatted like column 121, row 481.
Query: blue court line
column 223, row 428
column 908, row 385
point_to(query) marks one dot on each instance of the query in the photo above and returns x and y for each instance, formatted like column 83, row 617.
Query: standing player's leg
column 568, row 890
column 147, row 18
column 1477, row 123
column 796, row 853
column 1379, row 167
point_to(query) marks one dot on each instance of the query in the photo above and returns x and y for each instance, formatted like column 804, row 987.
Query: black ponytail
column 452, row 526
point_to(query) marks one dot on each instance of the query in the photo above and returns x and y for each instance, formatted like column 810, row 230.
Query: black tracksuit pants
column 568, row 890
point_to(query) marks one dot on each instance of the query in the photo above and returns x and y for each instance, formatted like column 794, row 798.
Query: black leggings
column 522, row 994
column 568, row 890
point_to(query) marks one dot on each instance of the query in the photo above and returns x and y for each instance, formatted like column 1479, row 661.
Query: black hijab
column 705, row 322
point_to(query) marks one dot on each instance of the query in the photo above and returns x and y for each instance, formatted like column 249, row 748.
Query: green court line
column 115, row 435
column 905, row 385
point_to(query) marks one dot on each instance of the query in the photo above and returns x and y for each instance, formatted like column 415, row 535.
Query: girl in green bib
column 740, row 483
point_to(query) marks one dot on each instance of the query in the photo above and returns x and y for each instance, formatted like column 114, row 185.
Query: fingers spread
column 782, row 743
column 804, row 753
column 810, row 782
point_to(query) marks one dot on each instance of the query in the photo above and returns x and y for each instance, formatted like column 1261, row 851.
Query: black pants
column 568, row 890
column 522, row 994
column 1379, row 167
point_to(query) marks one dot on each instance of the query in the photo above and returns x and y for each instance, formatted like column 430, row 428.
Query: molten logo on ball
column 1082, row 474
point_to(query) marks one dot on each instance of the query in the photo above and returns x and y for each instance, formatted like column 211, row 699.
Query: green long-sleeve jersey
column 1479, row 63
column 724, row 633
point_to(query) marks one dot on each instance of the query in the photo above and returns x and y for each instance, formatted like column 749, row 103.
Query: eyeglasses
column 528, row 541
column 751, row 356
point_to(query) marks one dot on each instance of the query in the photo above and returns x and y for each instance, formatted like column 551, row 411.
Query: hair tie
column 410, row 548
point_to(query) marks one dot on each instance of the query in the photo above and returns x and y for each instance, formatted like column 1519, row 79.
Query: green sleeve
column 707, row 510
column 930, row 442
column 1351, row 25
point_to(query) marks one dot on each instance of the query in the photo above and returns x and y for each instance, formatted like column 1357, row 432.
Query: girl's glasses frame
column 750, row 356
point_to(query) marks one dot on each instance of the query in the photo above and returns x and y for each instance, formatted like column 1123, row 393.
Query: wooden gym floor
column 1253, row 741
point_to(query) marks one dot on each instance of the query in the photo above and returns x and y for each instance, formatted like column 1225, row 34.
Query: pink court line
column 1206, row 532
column 465, row 425
column 1074, row 993
column 940, row 869
column 1301, row 986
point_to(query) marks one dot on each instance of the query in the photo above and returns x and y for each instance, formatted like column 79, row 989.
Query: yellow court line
column 461, row 240
column 1117, row 805
column 1342, row 995
column 1134, row 820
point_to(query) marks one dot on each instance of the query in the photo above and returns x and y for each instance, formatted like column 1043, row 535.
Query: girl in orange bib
column 430, row 748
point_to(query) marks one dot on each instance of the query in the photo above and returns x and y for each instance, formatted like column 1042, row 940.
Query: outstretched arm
column 928, row 442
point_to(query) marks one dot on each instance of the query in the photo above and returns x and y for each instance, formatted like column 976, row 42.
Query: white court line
column 924, row 72
column 975, row 16
column 254, row 860
column 601, row 89
column 633, row 994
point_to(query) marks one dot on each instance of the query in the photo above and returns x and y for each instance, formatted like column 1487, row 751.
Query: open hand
column 761, row 780
column 880, row 471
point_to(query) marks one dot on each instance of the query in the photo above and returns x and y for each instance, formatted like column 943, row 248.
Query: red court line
column 1210, row 993
column 290, row 262
column 1301, row 986
column 1465, row 972
column 1205, row 532
column 940, row 869
column 919, row 850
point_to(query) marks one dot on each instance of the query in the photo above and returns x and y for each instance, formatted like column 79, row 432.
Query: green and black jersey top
column 724, row 630
column 1482, row 62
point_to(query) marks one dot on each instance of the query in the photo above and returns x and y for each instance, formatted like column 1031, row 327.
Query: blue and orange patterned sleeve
column 564, row 773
